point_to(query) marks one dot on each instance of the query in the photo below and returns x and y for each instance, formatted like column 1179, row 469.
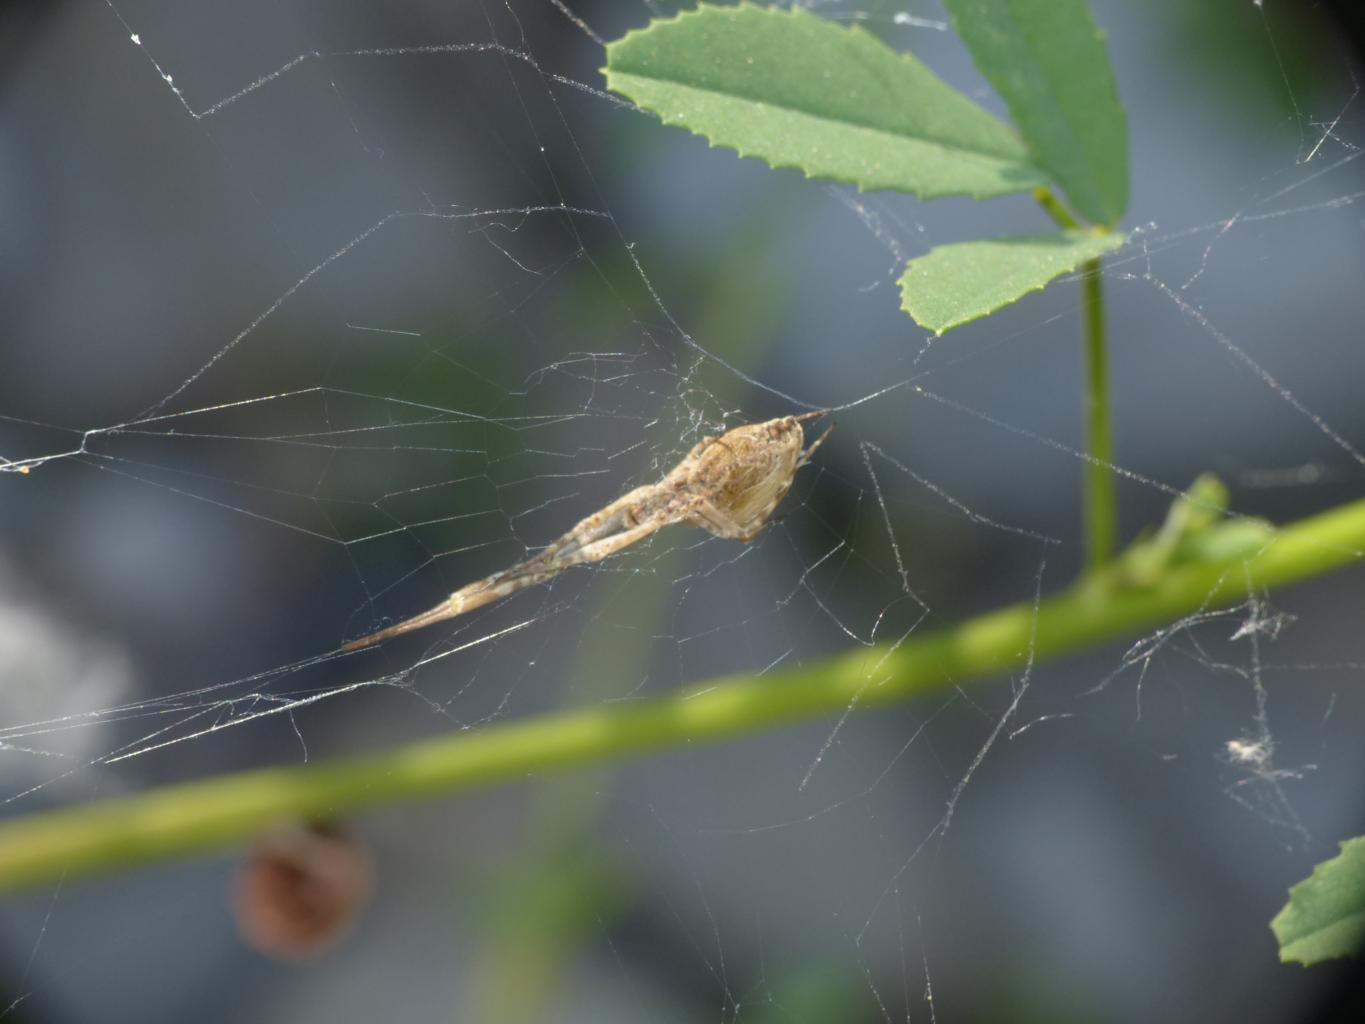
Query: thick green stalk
column 1053, row 207
column 1100, row 507
column 190, row 817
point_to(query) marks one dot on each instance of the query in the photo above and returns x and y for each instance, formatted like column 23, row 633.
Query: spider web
column 317, row 315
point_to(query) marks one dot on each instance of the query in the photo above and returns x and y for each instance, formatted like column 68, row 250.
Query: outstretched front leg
column 805, row 456
column 568, row 551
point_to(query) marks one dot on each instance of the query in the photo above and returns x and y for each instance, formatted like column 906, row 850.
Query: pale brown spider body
column 728, row 485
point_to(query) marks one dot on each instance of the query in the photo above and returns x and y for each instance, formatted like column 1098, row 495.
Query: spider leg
column 805, row 456
column 466, row 599
column 706, row 443
column 608, row 546
column 701, row 512
column 623, row 513
column 594, row 551
column 529, row 573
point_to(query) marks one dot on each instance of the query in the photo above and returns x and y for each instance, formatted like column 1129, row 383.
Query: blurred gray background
column 314, row 354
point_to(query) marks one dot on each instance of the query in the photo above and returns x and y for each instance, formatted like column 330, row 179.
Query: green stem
column 1100, row 507
column 1054, row 208
column 190, row 817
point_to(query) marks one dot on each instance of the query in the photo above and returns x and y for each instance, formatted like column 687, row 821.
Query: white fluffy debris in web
column 51, row 675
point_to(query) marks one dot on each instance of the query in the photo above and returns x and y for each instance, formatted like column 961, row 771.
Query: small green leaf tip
column 1325, row 916
column 955, row 284
column 833, row 101
column 1047, row 60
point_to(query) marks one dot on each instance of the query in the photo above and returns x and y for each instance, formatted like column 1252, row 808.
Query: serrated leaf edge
column 939, row 332
column 1321, row 869
column 1024, row 158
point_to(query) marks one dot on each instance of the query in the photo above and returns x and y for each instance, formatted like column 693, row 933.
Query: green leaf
column 797, row 91
column 1325, row 915
column 955, row 284
column 1047, row 59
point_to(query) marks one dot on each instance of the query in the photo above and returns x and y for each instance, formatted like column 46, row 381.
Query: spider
column 728, row 485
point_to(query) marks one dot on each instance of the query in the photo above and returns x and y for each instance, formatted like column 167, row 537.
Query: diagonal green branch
column 192, row 817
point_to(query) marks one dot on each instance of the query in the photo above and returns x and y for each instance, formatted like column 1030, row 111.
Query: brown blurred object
column 299, row 892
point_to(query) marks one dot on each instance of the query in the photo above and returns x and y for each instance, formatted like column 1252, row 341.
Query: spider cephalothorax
column 732, row 483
